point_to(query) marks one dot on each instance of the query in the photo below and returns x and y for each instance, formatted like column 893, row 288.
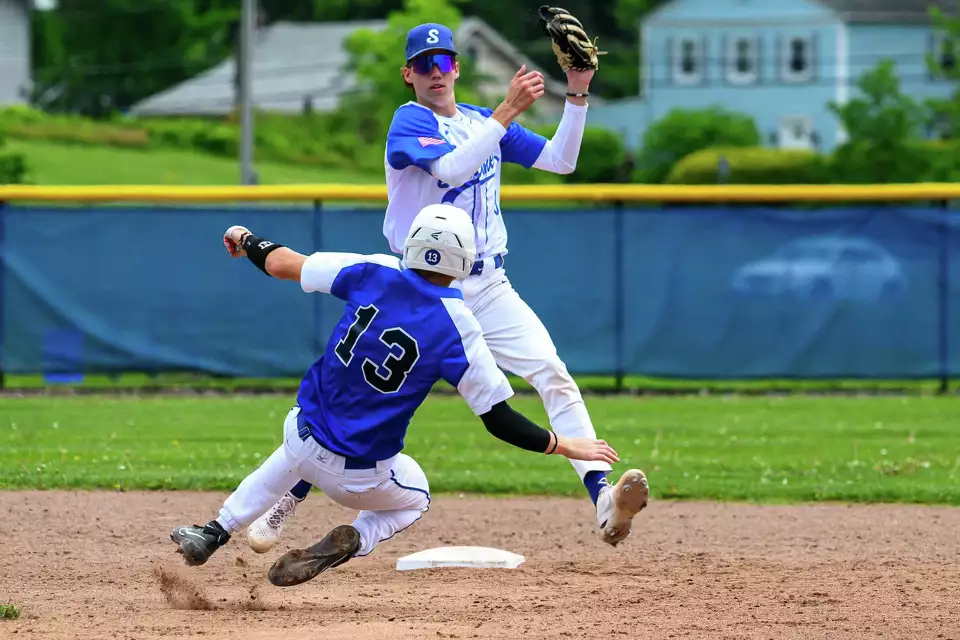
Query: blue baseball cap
column 429, row 37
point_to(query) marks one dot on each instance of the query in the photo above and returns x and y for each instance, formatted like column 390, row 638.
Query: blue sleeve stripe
column 414, row 139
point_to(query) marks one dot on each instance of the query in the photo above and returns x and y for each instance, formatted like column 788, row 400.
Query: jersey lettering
column 396, row 368
column 485, row 174
column 348, row 343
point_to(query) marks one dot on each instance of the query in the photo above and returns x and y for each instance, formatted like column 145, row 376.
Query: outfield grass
column 199, row 381
column 60, row 164
column 897, row 449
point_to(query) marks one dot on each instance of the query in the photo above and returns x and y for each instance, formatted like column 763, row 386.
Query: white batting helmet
column 441, row 240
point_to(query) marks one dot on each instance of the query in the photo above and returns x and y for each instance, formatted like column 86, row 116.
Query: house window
column 742, row 60
column 795, row 133
column 797, row 59
column 688, row 65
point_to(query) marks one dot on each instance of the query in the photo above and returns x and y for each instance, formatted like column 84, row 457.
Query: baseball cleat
column 299, row 565
column 618, row 504
column 264, row 534
column 197, row 543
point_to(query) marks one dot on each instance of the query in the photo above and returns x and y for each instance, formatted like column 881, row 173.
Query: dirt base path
column 100, row 565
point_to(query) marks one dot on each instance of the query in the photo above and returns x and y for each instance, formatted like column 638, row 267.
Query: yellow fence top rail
column 554, row 193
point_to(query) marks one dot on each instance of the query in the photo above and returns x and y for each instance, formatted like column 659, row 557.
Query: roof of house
column 888, row 10
column 294, row 61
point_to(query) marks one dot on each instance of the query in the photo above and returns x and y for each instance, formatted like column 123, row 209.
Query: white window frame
column 786, row 54
column 792, row 121
column 679, row 76
column 734, row 75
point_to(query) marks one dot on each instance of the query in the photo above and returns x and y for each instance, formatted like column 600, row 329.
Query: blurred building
column 15, row 77
column 300, row 66
column 780, row 61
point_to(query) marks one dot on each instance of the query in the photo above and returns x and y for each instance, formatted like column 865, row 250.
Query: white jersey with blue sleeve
column 398, row 337
column 418, row 136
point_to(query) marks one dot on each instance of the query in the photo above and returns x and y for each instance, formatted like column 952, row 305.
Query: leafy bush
column 320, row 139
column 930, row 161
column 751, row 165
column 881, row 124
column 13, row 166
column 684, row 131
column 29, row 124
column 603, row 156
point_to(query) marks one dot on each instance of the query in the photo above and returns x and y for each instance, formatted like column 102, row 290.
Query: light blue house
column 781, row 61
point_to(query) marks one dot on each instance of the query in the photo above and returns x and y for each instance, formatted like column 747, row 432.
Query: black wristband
column 556, row 442
column 258, row 249
column 578, row 95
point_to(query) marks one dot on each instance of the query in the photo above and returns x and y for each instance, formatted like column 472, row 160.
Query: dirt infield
column 100, row 565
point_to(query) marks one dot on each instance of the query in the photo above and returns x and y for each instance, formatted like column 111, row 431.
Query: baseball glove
column 573, row 47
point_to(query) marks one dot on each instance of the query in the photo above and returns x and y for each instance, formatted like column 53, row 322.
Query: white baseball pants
column 390, row 497
column 522, row 346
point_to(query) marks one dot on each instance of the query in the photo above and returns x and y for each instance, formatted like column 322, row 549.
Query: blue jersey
column 418, row 136
column 399, row 335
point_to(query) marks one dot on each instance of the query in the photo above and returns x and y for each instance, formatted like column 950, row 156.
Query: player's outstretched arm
column 273, row 259
column 321, row 272
column 514, row 428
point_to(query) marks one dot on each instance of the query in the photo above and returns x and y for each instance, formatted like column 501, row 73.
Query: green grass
column 897, row 449
column 9, row 611
column 61, row 164
column 199, row 381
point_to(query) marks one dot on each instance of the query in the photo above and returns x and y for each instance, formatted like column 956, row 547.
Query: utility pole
column 248, row 21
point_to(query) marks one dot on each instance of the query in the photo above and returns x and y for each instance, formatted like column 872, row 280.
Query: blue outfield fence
column 687, row 291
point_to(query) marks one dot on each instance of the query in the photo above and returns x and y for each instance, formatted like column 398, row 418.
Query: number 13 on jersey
column 392, row 372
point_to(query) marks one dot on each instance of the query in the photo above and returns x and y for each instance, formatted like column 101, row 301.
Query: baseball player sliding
column 442, row 151
column 403, row 330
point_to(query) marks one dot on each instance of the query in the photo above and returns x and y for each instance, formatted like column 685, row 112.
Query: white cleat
column 264, row 534
column 617, row 505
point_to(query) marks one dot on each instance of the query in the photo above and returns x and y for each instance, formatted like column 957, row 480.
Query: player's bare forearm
column 273, row 259
column 285, row 264
column 504, row 114
column 578, row 84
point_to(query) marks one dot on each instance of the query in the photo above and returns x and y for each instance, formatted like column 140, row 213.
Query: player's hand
column 586, row 449
column 232, row 239
column 526, row 87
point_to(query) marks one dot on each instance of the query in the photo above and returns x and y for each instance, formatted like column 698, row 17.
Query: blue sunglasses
column 423, row 65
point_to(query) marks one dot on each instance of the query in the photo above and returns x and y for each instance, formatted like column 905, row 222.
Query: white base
column 470, row 557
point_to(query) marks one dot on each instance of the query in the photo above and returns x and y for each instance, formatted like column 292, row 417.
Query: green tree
column 683, row 131
column 377, row 57
column 882, row 125
column 98, row 58
column 327, row 10
column 945, row 113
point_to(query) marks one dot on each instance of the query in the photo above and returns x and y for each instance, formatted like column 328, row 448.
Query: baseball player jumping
column 403, row 330
column 441, row 151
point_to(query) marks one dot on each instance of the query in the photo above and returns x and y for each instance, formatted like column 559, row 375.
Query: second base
column 470, row 557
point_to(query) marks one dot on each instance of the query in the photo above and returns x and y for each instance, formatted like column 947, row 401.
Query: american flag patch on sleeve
column 426, row 142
